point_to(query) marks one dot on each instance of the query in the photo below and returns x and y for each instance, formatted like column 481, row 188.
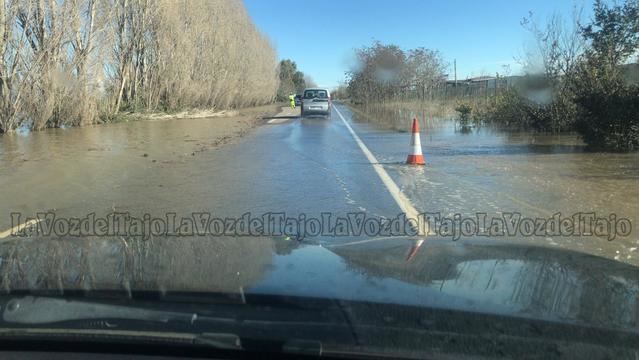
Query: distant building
column 479, row 81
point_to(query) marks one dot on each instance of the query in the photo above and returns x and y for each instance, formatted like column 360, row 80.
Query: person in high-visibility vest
column 291, row 98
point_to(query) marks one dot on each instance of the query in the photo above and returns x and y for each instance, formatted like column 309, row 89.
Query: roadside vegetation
column 67, row 63
column 587, row 71
column 579, row 78
column 292, row 81
column 340, row 93
column 385, row 72
column 387, row 78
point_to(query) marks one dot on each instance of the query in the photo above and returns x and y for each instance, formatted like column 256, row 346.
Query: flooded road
column 312, row 166
column 298, row 167
column 141, row 166
column 308, row 168
column 487, row 171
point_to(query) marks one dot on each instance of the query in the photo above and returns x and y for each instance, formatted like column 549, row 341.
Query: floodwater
column 137, row 166
column 484, row 170
column 310, row 166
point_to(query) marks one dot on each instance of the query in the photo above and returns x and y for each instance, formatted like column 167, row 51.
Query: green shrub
column 609, row 118
column 508, row 110
column 464, row 111
column 511, row 110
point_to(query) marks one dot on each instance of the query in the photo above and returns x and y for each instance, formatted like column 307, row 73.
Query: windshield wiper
column 43, row 310
column 33, row 310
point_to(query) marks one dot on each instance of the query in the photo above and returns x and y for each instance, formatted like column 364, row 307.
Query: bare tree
column 558, row 45
column 426, row 69
column 8, row 65
column 69, row 62
column 386, row 72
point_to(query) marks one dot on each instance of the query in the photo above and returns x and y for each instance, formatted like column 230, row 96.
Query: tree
column 608, row 107
column 426, row 69
column 340, row 92
column 9, row 98
column 77, row 62
column 614, row 34
column 292, row 81
column 385, row 71
column 380, row 73
column 559, row 47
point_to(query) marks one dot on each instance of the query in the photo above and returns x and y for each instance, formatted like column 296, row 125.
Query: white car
column 316, row 102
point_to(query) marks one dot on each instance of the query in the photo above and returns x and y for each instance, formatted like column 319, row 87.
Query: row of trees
column 77, row 62
column 385, row 71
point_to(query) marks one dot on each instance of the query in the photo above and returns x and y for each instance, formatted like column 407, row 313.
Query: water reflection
column 464, row 129
column 530, row 281
column 397, row 118
column 206, row 264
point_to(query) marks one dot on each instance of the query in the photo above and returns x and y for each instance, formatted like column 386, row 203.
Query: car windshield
column 312, row 94
column 405, row 178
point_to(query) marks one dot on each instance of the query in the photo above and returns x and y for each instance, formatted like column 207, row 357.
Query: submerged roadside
column 480, row 174
column 223, row 124
column 114, row 166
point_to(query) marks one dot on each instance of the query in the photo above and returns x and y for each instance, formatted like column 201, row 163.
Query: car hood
column 518, row 280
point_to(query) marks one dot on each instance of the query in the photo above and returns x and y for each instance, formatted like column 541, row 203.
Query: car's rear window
column 311, row 94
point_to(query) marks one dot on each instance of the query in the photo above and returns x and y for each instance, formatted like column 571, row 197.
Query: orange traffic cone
column 415, row 156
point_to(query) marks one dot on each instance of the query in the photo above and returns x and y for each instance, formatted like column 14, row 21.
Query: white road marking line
column 359, row 242
column 18, row 228
column 277, row 121
column 402, row 201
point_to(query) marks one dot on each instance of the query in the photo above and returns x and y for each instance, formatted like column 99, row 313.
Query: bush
column 511, row 110
column 464, row 111
column 609, row 119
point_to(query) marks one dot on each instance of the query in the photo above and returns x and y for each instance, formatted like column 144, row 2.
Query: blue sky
column 320, row 36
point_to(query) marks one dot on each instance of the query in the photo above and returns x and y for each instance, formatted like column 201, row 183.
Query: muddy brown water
column 486, row 170
column 136, row 166
column 178, row 165
column 124, row 166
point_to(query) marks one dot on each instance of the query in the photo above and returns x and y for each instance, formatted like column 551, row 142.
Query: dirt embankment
column 228, row 124
column 233, row 124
